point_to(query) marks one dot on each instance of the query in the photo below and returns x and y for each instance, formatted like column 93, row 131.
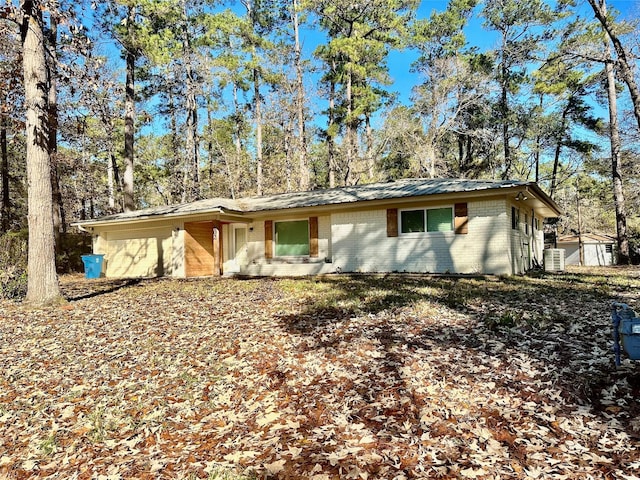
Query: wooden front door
column 202, row 249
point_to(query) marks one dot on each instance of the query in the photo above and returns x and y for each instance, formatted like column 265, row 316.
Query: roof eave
column 551, row 208
column 156, row 217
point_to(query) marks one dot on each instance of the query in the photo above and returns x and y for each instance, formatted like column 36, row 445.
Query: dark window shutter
column 392, row 222
column 461, row 215
column 268, row 239
column 313, row 236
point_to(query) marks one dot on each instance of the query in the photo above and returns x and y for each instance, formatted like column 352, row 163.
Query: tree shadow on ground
column 84, row 289
column 562, row 322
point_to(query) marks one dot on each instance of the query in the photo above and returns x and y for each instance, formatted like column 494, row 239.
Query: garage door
column 139, row 254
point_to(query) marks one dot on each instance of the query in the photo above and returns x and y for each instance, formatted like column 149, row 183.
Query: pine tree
column 360, row 36
column 521, row 25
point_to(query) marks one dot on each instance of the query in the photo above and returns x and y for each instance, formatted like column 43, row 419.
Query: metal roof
column 405, row 188
column 587, row 238
column 414, row 187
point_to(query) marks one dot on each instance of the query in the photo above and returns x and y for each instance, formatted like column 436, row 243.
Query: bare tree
column 623, row 63
column 616, row 149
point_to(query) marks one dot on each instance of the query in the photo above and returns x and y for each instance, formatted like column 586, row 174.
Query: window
column 439, row 220
column 608, row 248
column 412, row 221
column 515, row 218
column 526, row 224
column 429, row 220
column 292, row 238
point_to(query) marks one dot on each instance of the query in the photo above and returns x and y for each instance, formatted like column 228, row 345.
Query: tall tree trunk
column 116, row 187
column 371, row 167
column 5, row 205
column 624, row 66
column 258, row 120
column 303, row 164
column 129, row 113
column 469, row 154
column 210, row 153
column 558, row 149
column 177, row 186
column 59, row 222
column 538, row 148
column 432, row 148
column 350, row 131
column 113, row 173
column 192, row 147
column 460, row 141
column 616, row 148
column 504, row 105
column 42, row 283
column 111, row 190
column 233, row 167
column 257, row 99
column 287, row 128
column 331, row 146
column 580, row 243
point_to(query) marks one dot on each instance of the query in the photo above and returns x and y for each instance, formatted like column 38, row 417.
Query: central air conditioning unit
column 554, row 260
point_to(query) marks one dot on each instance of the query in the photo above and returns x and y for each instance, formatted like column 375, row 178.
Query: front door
column 203, row 248
column 199, row 249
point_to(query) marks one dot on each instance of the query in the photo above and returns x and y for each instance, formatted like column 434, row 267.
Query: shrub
column 13, row 265
column 72, row 247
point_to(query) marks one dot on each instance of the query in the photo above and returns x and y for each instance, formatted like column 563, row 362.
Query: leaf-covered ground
column 335, row 377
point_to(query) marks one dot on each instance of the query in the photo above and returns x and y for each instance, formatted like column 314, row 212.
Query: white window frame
column 426, row 221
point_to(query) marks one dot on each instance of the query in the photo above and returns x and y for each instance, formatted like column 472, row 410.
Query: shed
column 598, row 249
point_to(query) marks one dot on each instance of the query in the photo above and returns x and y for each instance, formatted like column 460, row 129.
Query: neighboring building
column 597, row 249
column 413, row 225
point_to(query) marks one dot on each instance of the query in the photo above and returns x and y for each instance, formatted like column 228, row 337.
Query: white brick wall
column 357, row 242
column 486, row 247
column 360, row 244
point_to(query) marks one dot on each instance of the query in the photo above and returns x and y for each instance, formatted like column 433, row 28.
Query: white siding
column 595, row 254
column 526, row 242
column 538, row 242
column 360, row 244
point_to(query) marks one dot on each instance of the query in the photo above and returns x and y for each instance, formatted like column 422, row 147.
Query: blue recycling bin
column 92, row 265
